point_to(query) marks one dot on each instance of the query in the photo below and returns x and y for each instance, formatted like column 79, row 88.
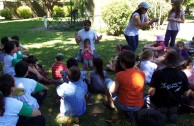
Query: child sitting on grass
column 34, row 91
column 158, row 47
column 146, row 64
column 183, row 50
column 20, row 47
column 9, row 59
column 190, row 46
column 112, row 64
column 72, row 95
column 57, row 67
column 14, row 112
column 32, row 61
column 87, row 54
column 4, row 40
column 129, row 85
column 100, row 83
column 72, row 62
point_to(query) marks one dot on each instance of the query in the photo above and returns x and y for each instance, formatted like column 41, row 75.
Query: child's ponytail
column 6, row 84
column 98, row 64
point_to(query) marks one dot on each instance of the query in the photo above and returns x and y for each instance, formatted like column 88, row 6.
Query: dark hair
column 176, row 3
column 86, row 40
column 21, row 69
column 150, row 117
column 139, row 11
column 126, row 48
column 4, row 40
column 31, row 59
column 98, row 64
column 74, row 74
column 71, row 62
column 87, row 22
column 128, row 58
column 16, row 42
column 6, row 83
column 9, row 47
column 15, row 37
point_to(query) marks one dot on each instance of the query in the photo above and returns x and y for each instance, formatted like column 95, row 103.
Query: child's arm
column 27, row 111
column 40, row 87
column 114, row 87
column 90, row 51
column 35, row 71
column 151, row 91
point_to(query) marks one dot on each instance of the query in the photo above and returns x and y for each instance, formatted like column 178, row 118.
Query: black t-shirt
column 170, row 84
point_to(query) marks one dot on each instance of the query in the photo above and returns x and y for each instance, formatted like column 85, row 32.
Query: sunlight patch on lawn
column 50, row 43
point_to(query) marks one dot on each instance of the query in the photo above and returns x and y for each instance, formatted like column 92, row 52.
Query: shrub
column 58, row 11
column 7, row 13
column 116, row 15
column 160, row 9
column 24, row 12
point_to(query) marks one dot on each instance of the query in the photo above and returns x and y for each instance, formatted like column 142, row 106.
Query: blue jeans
column 170, row 36
column 79, row 55
column 132, row 41
column 130, row 110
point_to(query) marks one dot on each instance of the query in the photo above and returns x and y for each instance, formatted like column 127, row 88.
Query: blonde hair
column 147, row 53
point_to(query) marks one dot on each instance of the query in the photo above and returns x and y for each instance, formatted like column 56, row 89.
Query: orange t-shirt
column 131, row 84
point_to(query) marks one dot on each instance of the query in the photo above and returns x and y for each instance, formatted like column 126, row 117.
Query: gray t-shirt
column 173, row 25
column 132, row 29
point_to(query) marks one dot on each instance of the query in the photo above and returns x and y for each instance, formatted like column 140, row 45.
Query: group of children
column 159, row 67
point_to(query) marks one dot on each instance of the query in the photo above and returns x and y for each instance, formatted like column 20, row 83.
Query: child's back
column 146, row 65
column 73, row 94
column 58, row 66
column 28, row 85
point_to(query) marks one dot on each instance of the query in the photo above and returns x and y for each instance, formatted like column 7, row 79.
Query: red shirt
column 56, row 69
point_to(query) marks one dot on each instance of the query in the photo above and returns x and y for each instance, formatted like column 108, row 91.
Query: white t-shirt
column 148, row 68
column 28, row 85
column 12, row 109
column 91, row 34
column 8, row 67
column 132, row 29
column 173, row 25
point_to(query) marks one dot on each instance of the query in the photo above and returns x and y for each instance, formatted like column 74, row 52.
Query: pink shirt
column 87, row 55
column 163, row 47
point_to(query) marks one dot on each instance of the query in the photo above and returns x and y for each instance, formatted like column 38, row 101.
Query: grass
column 46, row 43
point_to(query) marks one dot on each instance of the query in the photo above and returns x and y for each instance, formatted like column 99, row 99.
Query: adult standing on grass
column 138, row 20
column 175, row 17
column 86, row 33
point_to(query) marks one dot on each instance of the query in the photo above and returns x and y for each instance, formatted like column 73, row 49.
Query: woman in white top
column 175, row 17
column 138, row 20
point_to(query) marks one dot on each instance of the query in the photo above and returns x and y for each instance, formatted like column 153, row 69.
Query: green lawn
column 45, row 44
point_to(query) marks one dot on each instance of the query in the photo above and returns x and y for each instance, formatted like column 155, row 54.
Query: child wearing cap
column 58, row 66
column 158, row 47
